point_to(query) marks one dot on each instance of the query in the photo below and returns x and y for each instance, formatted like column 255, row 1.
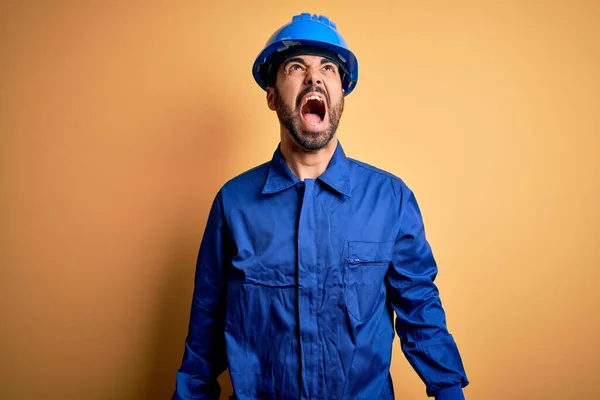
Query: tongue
column 312, row 119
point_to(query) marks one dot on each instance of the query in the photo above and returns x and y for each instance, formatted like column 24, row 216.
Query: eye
column 329, row 68
column 295, row 67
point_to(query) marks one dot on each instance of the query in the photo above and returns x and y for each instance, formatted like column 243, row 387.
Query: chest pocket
column 366, row 268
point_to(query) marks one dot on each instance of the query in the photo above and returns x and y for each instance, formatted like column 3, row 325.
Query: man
column 305, row 259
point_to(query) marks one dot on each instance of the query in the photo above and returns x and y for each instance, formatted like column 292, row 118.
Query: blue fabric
column 450, row 393
column 297, row 284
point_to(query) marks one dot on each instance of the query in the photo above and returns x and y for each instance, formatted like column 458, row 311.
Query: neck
column 306, row 164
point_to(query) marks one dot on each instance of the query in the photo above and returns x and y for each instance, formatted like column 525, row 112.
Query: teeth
column 314, row 97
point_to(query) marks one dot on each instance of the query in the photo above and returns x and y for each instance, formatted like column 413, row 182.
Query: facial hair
column 290, row 119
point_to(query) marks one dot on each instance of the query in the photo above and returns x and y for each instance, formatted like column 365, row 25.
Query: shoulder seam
column 376, row 170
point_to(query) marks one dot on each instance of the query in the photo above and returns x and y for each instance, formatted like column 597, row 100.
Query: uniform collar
column 336, row 176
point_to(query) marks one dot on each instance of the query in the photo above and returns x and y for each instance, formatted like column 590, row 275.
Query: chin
column 312, row 140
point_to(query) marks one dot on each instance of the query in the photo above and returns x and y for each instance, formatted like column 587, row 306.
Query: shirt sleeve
column 421, row 321
column 204, row 356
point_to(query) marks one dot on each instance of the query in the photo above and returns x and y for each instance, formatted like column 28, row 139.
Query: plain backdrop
column 119, row 121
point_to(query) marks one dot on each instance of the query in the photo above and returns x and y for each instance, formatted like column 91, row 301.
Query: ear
column 271, row 98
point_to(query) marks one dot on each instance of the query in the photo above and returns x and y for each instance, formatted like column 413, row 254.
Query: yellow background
column 120, row 121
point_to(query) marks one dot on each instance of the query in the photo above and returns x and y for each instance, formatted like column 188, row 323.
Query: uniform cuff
column 450, row 393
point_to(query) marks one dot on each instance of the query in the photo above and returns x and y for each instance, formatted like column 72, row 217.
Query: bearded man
column 306, row 259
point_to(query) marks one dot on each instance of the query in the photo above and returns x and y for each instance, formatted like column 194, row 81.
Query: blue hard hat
column 310, row 32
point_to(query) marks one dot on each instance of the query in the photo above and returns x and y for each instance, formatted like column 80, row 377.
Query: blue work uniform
column 297, row 284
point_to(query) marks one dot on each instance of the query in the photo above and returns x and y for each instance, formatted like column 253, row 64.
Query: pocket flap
column 359, row 252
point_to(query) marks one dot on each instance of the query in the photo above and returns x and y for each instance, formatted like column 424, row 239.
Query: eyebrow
column 301, row 61
column 294, row 59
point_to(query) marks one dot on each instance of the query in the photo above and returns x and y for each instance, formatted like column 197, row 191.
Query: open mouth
column 314, row 110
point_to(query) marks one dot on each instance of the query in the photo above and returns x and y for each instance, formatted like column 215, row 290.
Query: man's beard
column 307, row 139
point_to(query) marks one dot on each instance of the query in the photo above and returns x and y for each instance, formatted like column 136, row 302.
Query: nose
column 313, row 78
